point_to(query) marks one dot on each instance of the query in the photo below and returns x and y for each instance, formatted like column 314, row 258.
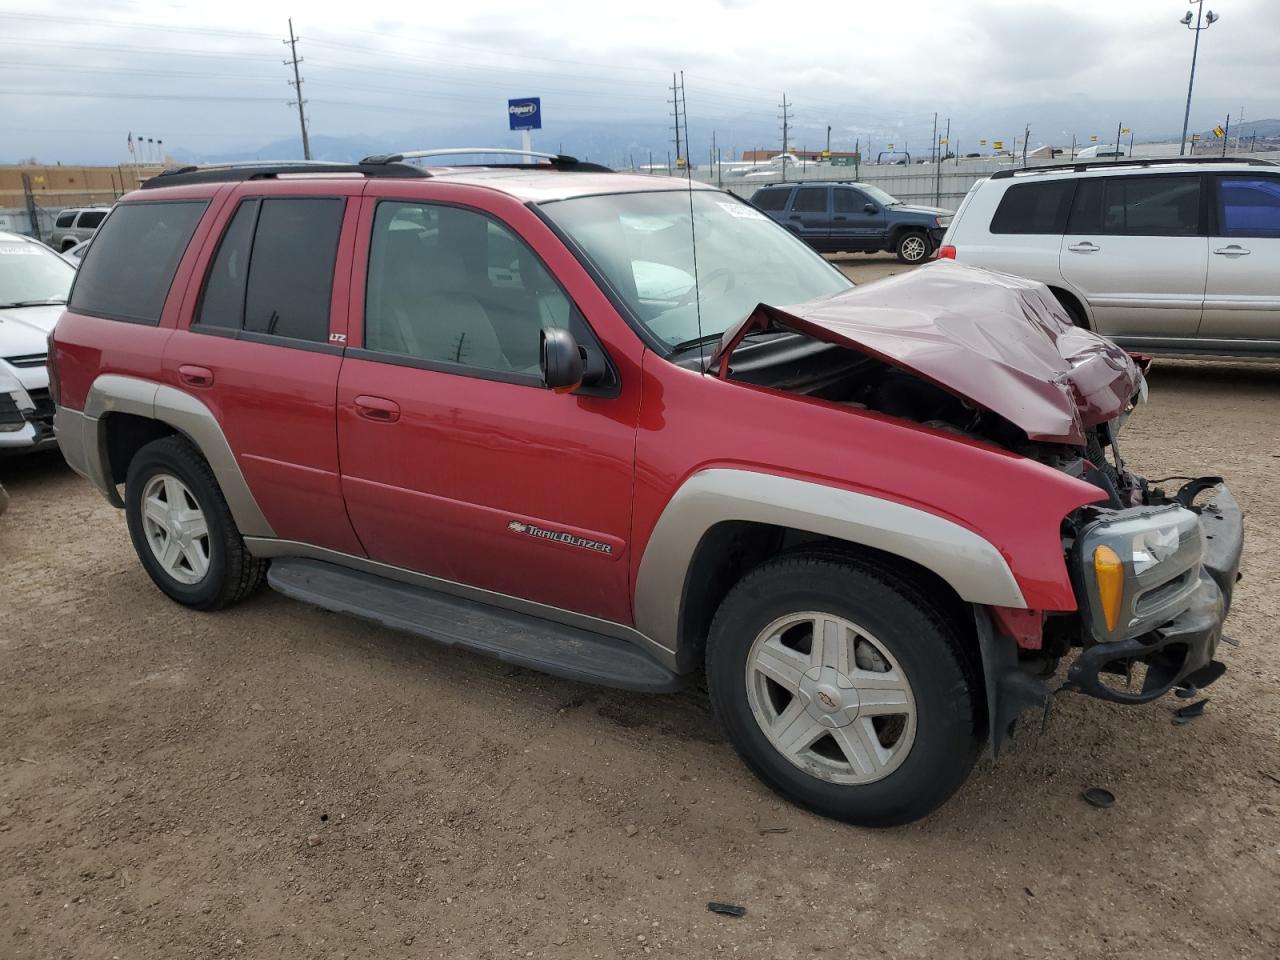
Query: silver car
column 76, row 224
column 1172, row 257
column 34, row 283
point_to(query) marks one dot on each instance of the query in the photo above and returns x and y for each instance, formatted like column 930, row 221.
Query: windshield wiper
column 32, row 303
column 697, row 342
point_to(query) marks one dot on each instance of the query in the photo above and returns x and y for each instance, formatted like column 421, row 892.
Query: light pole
column 1210, row 18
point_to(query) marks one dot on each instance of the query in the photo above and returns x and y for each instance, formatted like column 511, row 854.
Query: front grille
column 29, row 360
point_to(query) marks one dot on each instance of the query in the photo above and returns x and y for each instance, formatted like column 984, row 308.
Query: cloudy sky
column 209, row 78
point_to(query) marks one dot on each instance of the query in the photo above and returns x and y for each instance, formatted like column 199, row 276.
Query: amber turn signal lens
column 1109, row 570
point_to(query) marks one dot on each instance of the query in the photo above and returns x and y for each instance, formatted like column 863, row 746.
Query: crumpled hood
column 998, row 341
column 25, row 330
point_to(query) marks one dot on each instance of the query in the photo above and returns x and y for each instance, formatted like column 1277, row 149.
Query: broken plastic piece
column 1099, row 797
column 1189, row 712
column 728, row 909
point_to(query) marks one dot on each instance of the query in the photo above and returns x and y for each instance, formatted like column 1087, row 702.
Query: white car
column 1172, row 257
column 34, row 283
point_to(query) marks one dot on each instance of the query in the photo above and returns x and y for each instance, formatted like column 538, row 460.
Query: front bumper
column 1180, row 651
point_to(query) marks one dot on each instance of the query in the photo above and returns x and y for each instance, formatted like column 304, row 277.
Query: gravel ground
column 277, row 781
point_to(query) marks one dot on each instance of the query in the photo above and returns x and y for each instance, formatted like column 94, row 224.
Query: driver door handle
column 1084, row 247
column 377, row 409
column 1232, row 250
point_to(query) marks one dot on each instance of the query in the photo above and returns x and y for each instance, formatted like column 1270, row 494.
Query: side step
column 516, row 638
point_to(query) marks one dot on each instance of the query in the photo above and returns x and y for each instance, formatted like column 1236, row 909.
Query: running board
column 512, row 637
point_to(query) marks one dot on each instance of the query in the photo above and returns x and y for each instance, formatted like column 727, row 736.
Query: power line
column 296, row 83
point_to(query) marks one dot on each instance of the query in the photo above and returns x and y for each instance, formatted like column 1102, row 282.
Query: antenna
column 693, row 244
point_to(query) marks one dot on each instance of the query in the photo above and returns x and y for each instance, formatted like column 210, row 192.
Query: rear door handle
column 378, row 409
column 1084, row 247
column 1232, row 250
column 194, row 376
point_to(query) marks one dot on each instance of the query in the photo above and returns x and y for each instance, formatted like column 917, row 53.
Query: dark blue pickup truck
column 844, row 216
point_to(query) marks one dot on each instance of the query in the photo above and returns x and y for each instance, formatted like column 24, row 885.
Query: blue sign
column 525, row 113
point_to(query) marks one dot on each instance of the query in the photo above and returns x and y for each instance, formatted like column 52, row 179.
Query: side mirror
column 869, row 208
column 560, row 359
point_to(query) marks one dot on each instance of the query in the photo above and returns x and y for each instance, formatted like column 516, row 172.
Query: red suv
column 625, row 429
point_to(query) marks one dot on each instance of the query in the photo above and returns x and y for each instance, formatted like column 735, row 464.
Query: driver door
column 456, row 461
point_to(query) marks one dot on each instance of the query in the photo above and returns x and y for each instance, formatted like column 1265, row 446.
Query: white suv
column 1165, row 256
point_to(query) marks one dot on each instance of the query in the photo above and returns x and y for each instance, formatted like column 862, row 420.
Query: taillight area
column 51, row 362
column 947, row 252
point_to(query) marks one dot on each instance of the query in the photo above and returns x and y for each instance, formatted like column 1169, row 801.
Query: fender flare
column 112, row 393
column 970, row 564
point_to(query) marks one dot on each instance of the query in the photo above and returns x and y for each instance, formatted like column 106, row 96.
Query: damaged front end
column 995, row 359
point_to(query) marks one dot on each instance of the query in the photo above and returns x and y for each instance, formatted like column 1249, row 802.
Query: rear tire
column 880, row 725
column 912, row 247
column 182, row 528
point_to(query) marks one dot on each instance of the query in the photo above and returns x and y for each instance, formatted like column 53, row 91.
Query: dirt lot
column 276, row 781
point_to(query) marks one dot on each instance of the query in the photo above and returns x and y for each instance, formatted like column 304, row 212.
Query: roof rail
column 1081, row 166
column 265, row 169
column 557, row 161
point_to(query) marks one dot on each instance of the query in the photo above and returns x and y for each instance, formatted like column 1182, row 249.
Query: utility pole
column 785, row 117
column 1226, row 135
column 684, row 112
column 1026, row 137
column 935, row 137
column 1212, row 18
column 675, row 112
column 296, row 83
column 937, row 174
column 1119, row 131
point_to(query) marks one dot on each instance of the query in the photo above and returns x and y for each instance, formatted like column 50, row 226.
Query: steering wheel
column 718, row 274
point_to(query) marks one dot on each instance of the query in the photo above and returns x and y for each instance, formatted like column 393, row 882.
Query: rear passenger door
column 262, row 348
column 1242, row 298
column 1135, row 250
column 856, row 222
column 809, row 216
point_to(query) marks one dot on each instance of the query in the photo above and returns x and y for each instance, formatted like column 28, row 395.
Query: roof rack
column 557, row 161
column 1081, row 166
column 266, row 169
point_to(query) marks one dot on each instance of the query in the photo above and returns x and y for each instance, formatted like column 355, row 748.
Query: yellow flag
column 1219, row 132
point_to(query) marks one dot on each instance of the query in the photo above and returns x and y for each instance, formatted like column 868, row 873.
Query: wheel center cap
column 829, row 697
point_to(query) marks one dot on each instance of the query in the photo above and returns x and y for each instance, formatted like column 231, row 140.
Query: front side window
column 847, row 200
column 773, row 200
column 452, row 286
column 1249, row 207
column 810, row 200
column 643, row 244
column 135, row 255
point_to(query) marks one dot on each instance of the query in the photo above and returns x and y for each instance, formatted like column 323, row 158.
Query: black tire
column 912, row 247
column 233, row 572
column 944, row 682
column 68, row 244
column 1073, row 308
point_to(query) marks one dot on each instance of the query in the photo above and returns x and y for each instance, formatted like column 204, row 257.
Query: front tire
column 844, row 689
column 912, row 247
column 182, row 528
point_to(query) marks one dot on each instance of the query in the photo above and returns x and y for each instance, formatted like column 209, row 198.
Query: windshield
column 878, row 195
column 641, row 243
column 32, row 274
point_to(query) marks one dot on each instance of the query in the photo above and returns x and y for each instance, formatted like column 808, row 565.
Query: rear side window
column 1138, row 206
column 291, row 268
column 1034, row 208
column 771, row 199
column 91, row 218
column 135, row 255
column 65, row 219
column 1249, row 207
column 810, row 200
column 222, row 304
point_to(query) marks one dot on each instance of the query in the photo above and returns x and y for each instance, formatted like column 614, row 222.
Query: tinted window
column 848, row 201
column 91, row 218
column 222, row 304
column 1086, row 209
column 1033, row 208
column 771, row 199
column 291, row 268
column 451, row 286
column 810, row 200
column 1249, row 207
column 135, row 255
column 65, row 219
column 1152, row 206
